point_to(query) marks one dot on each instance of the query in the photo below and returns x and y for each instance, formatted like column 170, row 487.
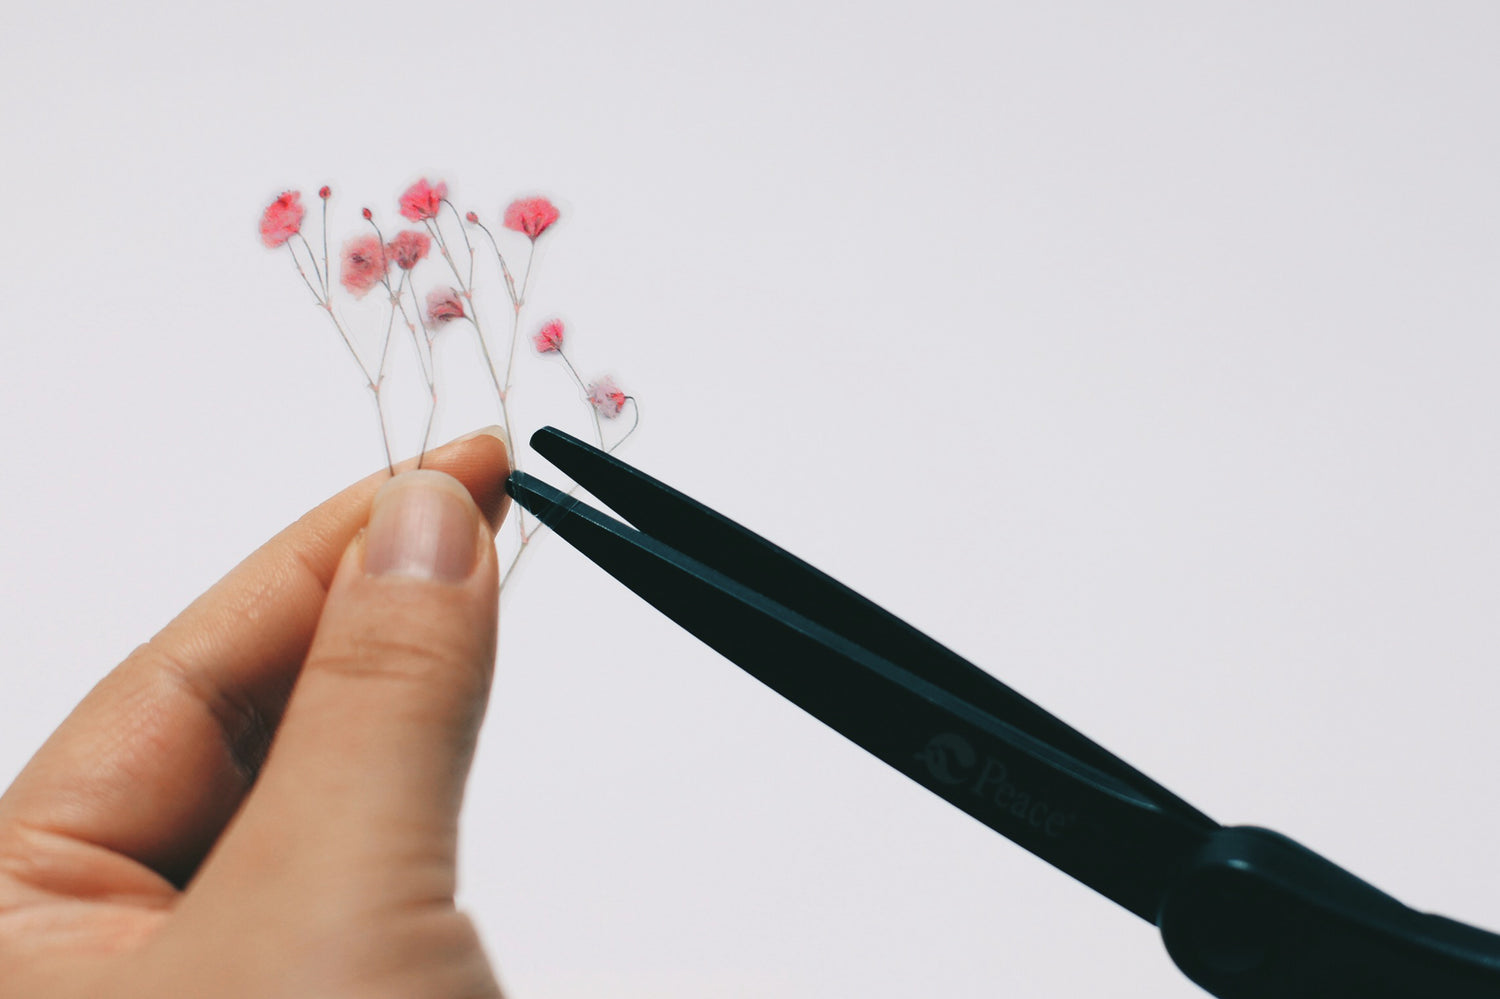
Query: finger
column 155, row 760
column 367, row 771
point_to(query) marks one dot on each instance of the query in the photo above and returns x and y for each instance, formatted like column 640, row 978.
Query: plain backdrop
column 1144, row 354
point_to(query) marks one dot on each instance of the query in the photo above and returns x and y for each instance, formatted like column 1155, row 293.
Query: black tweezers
column 1244, row 912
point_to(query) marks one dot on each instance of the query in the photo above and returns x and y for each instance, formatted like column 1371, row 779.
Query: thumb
column 368, row 766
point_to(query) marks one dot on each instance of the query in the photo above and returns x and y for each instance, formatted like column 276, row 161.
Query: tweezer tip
column 558, row 447
column 546, row 433
column 535, row 496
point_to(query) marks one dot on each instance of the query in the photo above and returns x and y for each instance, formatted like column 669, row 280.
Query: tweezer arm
column 693, row 529
column 1255, row 915
column 1244, row 912
column 1082, row 820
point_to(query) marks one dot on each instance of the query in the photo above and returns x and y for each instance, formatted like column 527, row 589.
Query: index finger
column 155, row 760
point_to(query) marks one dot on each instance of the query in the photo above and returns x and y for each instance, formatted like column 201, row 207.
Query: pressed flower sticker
column 423, row 201
column 408, row 248
column 443, row 306
column 532, row 216
column 431, row 278
column 282, row 219
column 606, row 398
column 549, row 338
column 362, row 265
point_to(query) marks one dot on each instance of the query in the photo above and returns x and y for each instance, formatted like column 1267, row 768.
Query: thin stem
column 327, row 307
column 390, row 326
column 317, row 297
column 369, row 379
column 489, row 363
column 385, row 438
column 526, row 279
column 473, row 318
column 344, row 335
column 326, row 304
column 516, row 302
column 465, row 234
column 573, row 371
column 515, row 330
column 515, row 333
column 505, row 576
column 587, row 397
column 635, row 409
column 326, row 269
column 427, row 373
column 385, row 281
column 510, row 282
column 431, row 416
column 428, row 363
column 312, row 258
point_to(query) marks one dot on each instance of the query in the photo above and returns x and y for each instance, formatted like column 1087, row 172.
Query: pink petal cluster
column 533, row 216
column 444, row 306
column 409, row 247
column 362, row 264
column 549, row 338
column 282, row 219
column 606, row 398
column 423, row 200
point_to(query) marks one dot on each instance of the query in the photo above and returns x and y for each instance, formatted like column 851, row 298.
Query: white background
column 1144, row 354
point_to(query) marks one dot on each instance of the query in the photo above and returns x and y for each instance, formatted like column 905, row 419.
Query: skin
column 263, row 799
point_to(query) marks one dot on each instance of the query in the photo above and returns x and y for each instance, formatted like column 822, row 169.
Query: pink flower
column 606, row 398
column 533, row 216
column 472, row 218
column 443, row 306
column 362, row 264
column 422, row 200
column 549, row 338
column 325, row 192
column 282, row 220
column 408, row 247
column 367, row 213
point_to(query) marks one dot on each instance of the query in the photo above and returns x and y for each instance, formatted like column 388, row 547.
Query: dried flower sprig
column 369, row 259
column 605, row 399
column 407, row 249
column 281, row 225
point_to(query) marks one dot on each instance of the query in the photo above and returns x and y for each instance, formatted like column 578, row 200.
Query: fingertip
column 425, row 524
column 481, row 461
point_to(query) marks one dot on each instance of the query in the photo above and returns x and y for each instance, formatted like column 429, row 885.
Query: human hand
column 263, row 800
